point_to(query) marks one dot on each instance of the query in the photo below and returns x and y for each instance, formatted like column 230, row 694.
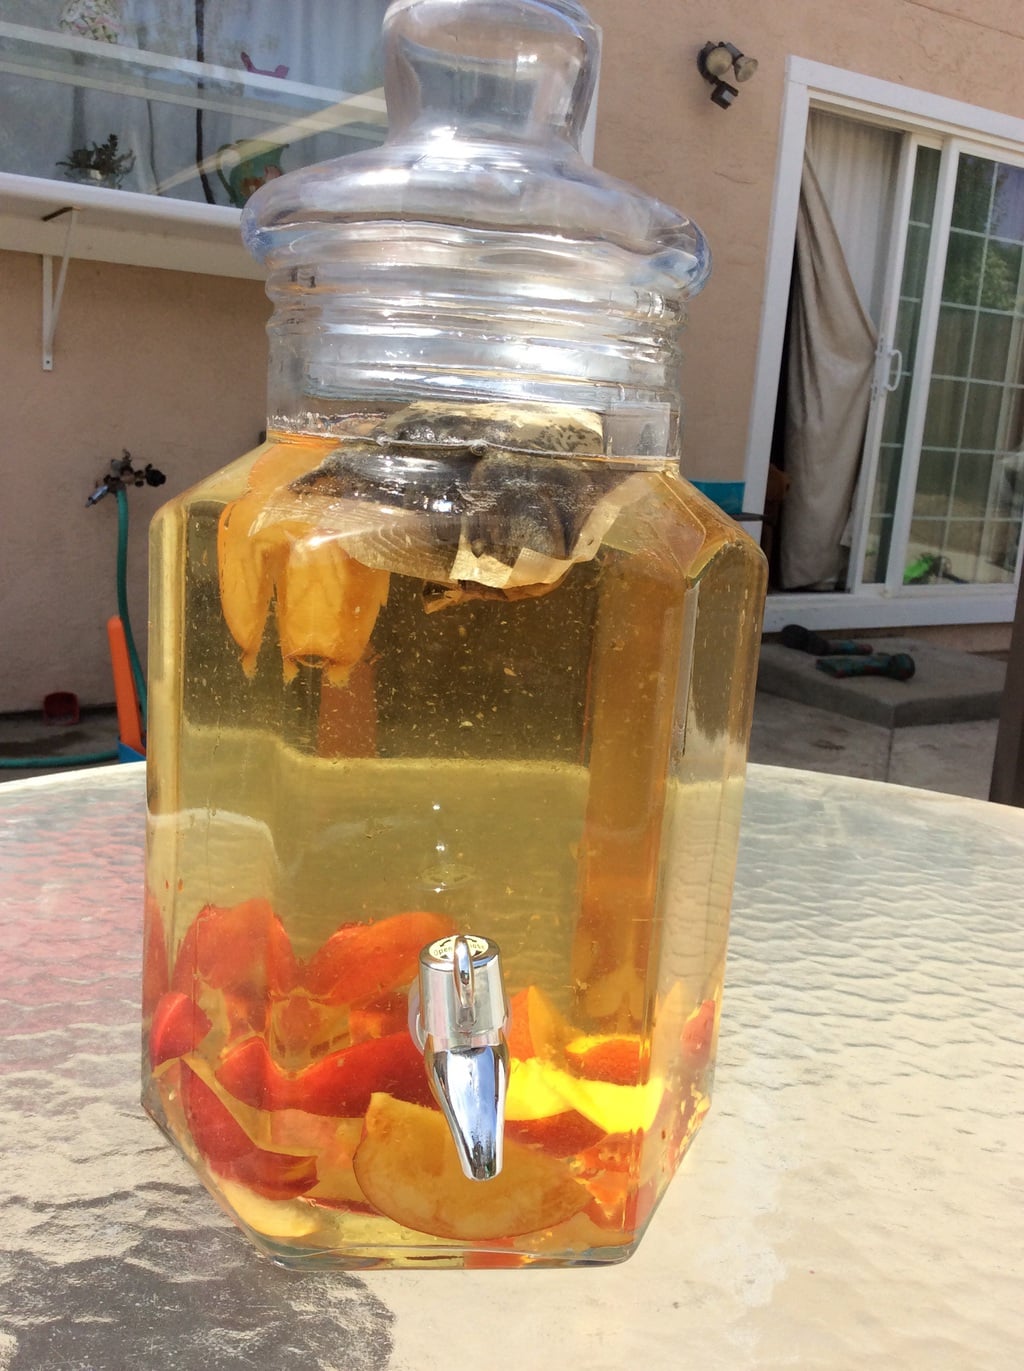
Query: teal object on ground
column 46, row 763
column 727, row 495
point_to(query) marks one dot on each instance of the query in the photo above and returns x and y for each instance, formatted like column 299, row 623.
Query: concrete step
column 947, row 687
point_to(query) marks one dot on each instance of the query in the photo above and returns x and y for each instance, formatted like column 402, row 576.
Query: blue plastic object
column 727, row 495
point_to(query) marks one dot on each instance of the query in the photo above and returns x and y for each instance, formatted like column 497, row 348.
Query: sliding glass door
column 942, row 489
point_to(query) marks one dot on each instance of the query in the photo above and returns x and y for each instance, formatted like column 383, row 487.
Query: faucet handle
column 460, row 1027
column 462, row 992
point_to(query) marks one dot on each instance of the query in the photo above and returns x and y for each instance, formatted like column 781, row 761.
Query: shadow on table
column 195, row 1298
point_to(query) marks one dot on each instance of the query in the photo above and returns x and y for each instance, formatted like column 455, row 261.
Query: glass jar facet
column 559, row 770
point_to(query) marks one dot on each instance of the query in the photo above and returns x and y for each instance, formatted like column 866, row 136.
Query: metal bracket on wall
column 52, row 298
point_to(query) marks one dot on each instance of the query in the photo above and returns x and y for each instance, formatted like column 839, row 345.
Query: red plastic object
column 60, row 707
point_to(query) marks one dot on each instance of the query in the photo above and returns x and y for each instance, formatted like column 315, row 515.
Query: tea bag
column 526, row 427
column 480, row 508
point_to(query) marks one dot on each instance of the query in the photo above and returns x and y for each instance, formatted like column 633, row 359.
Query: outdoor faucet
column 123, row 474
column 460, row 1028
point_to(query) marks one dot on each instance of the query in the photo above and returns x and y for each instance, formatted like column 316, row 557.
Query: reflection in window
column 206, row 99
column 973, row 429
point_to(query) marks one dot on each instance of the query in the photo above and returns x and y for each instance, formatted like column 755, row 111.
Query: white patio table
column 854, row 1199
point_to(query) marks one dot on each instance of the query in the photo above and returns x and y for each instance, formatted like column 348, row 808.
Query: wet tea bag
column 479, row 505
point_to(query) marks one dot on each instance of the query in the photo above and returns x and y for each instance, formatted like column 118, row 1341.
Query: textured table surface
column 853, row 1200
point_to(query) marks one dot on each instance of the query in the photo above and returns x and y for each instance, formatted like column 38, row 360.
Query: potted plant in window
column 99, row 164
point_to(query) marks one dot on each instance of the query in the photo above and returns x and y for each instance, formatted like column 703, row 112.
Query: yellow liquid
column 560, row 773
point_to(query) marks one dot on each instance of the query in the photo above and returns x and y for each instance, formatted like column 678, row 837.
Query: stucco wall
column 168, row 365
column 172, row 366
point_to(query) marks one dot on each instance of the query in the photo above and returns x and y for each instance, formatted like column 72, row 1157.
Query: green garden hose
column 122, row 600
column 48, row 763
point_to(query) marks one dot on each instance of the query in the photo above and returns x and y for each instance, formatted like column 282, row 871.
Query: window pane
column 973, row 482
column 953, row 341
column 1008, row 206
column 1011, row 422
column 915, row 262
column 197, row 115
column 894, row 424
column 924, row 551
column 885, row 483
column 963, row 542
column 1000, row 284
column 976, row 400
column 926, row 181
column 972, row 199
column 907, row 324
column 992, row 343
column 964, row 263
column 998, row 561
column 934, row 482
column 877, row 548
column 963, row 549
column 981, row 416
column 946, row 403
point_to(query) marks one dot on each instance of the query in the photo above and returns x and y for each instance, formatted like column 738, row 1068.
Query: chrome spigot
column 460, row 1028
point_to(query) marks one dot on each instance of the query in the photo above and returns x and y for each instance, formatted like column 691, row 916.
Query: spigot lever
column 462, row 970
column 460, row 1027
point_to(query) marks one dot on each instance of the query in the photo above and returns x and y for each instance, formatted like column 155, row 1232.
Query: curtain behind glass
column 831, row 360
column 856, row 166
column 843, row 243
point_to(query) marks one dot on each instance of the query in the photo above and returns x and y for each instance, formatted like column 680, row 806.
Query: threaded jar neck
column 418, row 310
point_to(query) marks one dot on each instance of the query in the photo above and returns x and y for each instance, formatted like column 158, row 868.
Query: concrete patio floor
column 935, row 731
column 954, row 757
column 24, row 737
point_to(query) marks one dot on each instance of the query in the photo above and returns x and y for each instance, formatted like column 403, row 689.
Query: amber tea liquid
column 349, row 760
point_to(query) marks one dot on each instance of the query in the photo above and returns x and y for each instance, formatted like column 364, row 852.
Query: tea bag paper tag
column 533, row 568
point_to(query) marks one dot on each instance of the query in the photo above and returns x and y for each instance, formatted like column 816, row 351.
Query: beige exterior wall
column 172, row 365
column 168, row 365
column 658, row 128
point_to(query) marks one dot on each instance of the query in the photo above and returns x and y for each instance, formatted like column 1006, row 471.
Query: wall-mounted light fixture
column 715, row 61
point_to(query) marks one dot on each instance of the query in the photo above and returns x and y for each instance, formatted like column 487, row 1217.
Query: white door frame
column 896, row 106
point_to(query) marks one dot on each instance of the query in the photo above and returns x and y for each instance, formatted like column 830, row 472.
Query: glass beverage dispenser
column 451, row 683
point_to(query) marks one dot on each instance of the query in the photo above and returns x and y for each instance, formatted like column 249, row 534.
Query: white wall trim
column 32, row 193
column 775, row 303
column 123, row 226
column 922, row 606
column 919, row 108
column 816, row 83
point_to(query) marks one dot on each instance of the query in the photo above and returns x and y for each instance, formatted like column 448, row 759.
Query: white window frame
column 895, row 106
